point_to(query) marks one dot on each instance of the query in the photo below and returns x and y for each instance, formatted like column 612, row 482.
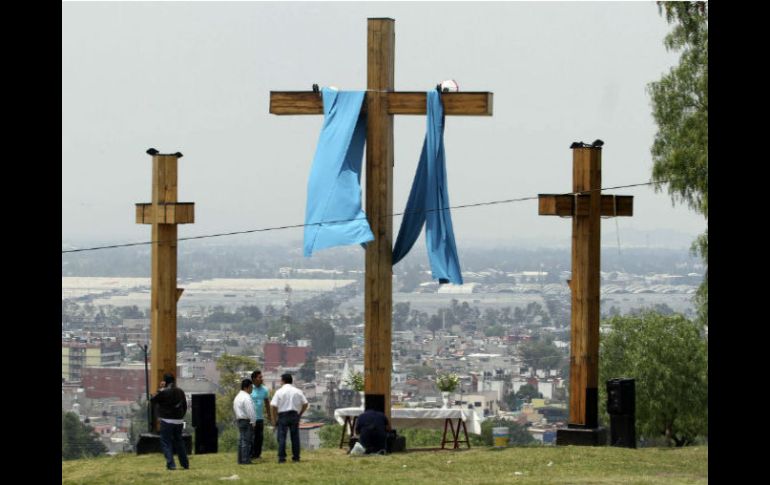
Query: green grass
column 530, row 465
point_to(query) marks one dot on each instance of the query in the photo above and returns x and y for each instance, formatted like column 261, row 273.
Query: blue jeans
column 245, row 441
column 170, row 442
column 288, row 421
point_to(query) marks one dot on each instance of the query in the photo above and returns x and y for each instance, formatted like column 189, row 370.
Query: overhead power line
column 294, row 226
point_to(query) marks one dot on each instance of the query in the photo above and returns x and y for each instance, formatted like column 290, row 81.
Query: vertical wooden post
column 381, row 41
column 586, row 239
column 164, row 213
column 163, row 295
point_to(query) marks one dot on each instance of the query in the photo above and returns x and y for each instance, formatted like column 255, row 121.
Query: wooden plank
column 468, row 104
column 555, row 205
column 296, row 103
column 379, row 205
column 564, row 205
column 141, row 213
column 168, row 213
column 399, row 103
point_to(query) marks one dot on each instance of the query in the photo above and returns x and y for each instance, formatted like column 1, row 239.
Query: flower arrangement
column 447, row 382
column 356, row 381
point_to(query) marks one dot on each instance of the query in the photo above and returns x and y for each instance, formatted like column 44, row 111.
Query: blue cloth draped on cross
column 334, row 187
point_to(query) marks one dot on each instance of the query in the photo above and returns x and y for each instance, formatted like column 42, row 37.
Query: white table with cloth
column 454, row 419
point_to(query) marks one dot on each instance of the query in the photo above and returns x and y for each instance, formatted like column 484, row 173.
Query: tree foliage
column 78, row 440
column 668, row 357
column 527, row 393
column 329, row 434
column 322, row 335
column 232, row 370
column 307, row 371
column 400, row 315
column 541, row 354
column 680, row 109
column 420, row 371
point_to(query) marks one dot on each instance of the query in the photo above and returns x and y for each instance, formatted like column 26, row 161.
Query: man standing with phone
column 172, row 406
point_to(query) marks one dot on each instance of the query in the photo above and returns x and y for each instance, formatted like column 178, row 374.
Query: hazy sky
column 195, row 77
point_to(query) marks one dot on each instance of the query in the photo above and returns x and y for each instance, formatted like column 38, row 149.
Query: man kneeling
column 372, row 428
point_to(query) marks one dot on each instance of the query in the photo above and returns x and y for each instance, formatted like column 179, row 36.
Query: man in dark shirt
column 372, row 428
column 172, row 406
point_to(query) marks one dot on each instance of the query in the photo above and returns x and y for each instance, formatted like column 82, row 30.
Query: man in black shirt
column 172, row 406
column 372, row 428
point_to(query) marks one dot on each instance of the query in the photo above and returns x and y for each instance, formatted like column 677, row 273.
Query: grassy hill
column 525, row 465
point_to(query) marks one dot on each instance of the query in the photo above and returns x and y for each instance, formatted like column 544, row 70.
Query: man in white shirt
column 288, row 405
column 246, row 417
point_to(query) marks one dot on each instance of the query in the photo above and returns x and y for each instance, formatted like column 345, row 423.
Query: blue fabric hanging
column 334, row 186
column 429, row 202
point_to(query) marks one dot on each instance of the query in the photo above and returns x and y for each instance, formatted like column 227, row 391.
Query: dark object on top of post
column 580, row 144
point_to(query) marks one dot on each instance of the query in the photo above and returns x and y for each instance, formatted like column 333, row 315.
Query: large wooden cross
column 382, row 102
column 586, row 205
column 164, row 213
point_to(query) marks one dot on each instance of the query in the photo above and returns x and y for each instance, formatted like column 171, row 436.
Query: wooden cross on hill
column 164, row 213
column 382, row 102
column 585, row 208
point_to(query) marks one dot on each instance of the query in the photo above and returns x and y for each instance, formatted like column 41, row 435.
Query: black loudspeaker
column 150, row 443
column 206, row 440
column 621, row 406
column 621, row 396
column 623, row 430
column 395, row 443
column 204, row 410
column 204, row 413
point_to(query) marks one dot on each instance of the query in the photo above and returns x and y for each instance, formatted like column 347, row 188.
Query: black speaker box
column 623, row 430
column 395, row 443
column 204, row 410
column 621, row 396
column 150, row 443
column 206, row 440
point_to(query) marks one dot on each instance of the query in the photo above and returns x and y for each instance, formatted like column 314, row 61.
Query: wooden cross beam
column 164, row 213
column 585, row 208
column 382, row 102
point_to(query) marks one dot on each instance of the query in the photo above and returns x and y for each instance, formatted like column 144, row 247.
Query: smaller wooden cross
column 164, row 213
column 585, row 206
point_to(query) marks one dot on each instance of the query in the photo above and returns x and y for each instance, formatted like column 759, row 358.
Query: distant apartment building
column 75, row 356
column 545, row 388
column 485, row 403
column 125, row 383
column 282, row 355
column 135, row 330
column 195, row 368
